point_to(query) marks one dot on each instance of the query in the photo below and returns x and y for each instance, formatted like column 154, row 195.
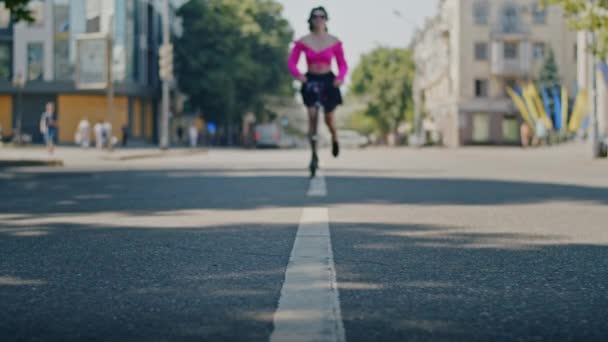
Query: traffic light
column 165, row 55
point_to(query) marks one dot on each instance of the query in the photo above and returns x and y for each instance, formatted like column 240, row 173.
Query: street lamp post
column 110, row 88
column 19, row 84
column 164, row 136
column 594, row 140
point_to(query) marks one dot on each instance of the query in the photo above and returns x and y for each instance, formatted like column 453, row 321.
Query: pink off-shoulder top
column 314, row 57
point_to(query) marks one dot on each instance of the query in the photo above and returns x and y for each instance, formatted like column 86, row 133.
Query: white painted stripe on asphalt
column 309, row 307
column 318, row 187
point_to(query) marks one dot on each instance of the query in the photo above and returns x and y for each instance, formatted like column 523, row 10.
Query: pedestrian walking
column 48, row 127
column 199, row 122
column 98, row 129
column 193, row 134
column 541, row 134
column 83, row 133
column 107, row 135
column 180, row 134
column 125, row 135
column 525, row 135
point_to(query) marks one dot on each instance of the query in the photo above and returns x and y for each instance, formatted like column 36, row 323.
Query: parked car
column 287, row 141
column 267, row 135
column 352, row 139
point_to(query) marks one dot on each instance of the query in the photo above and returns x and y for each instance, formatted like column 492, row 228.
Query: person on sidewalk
column 525, row 135
column 98, row 128
column 107, row 135
column 84, row 133
column 193, row 134
column 48, row 127
column 125, row 135
column 180, row 134
column 542, row 136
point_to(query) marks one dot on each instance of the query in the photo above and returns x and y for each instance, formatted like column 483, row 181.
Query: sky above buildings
column 363, row 25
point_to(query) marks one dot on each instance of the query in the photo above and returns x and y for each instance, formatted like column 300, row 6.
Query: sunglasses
column 319, row 16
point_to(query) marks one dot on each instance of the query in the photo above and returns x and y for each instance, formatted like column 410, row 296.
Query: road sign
column 92, row 62
column 165, row 55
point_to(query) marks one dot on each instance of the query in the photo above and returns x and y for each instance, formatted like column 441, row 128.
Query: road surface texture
column 476, row 244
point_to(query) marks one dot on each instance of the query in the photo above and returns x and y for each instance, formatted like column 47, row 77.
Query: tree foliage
column 588, row 15
column 232, row 54
column 384, row 77
column 19, row 9
column 549, row 73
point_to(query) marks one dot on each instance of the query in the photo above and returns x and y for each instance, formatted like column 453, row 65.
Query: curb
column 31, row 163
column 155, row 155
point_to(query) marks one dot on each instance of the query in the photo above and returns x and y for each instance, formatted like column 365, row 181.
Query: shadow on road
column 397, row 282
column 159, row 191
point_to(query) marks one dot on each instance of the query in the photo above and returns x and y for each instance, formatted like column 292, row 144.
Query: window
column 481, row 88
column 539, row 14
column 124, row 40
column 61, row 19
column 5, row 17
column 93, row 15
column 93, row 24
column 511, row 50
column 510, row 130
column 5, row 61
column 480, row 12
column 481, row 51
column 539, row 51
column 481, row 127
column 35, row 66
column 510, row 19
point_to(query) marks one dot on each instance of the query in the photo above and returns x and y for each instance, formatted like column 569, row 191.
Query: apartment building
column 472, row 50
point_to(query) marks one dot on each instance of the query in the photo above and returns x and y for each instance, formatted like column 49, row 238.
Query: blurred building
column 44, row 53
column 471, row 50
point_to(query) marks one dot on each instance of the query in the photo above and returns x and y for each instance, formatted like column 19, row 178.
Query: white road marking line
column 318, row 187
column 309, row 307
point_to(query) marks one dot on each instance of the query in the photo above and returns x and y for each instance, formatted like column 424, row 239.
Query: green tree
column 232, row 53
column 18, row 9
column 384, row 77
column 362, row 123
column 549, row 73
column 588, row 15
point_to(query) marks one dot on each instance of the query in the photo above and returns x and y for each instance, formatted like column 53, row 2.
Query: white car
column 352, row 139
column 267, row 135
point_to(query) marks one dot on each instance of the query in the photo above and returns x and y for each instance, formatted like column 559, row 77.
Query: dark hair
column 311, row 26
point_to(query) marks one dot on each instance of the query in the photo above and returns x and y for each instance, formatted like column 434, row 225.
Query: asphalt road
column 424, row 245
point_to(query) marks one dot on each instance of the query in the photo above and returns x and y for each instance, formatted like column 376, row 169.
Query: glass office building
column 45, row 53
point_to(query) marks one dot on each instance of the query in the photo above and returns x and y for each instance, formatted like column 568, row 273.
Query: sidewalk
column 27, row 156
column 38, row 155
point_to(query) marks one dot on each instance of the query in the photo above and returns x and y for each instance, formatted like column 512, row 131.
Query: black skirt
column 319, row 90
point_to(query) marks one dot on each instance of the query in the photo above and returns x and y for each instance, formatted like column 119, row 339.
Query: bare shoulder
column 333, row 39
column 305, row 38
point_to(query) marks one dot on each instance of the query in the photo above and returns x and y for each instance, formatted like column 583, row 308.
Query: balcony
column 512, row 34
column 510, row 25
column 518, row 66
